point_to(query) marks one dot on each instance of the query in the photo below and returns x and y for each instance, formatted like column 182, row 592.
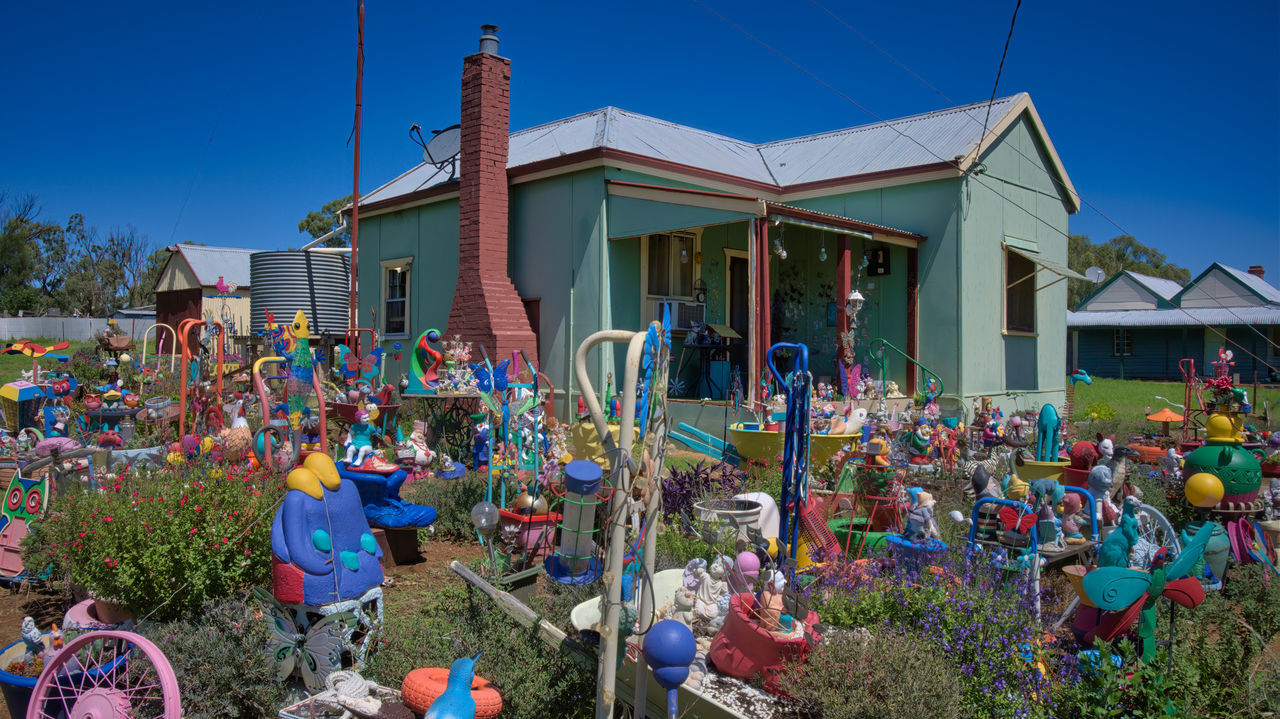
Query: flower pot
column 1215, row 552
column 717, row 512
column 109, row 612
column 16, row 689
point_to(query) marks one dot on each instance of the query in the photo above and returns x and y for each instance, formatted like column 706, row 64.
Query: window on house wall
column 395, row 298
column 670, row 265
column 1122, row 343
column 1019, row 293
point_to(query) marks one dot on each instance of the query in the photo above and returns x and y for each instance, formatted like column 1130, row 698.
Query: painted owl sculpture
column 321, row 546
column 24, row 501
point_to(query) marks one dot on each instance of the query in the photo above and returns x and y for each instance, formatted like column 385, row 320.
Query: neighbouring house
column 1139, row 327
column 198, row 281
column 955, row 237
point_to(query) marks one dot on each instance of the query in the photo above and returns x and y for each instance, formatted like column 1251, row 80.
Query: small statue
column 918, row 443
column 360, row 439
column 892, row 392
column 1275, row 498
column 1120, row 543
column 693, row 572
column 682, row 609
column 712, row 587
column 32, row 639
column 920, row 518
column 989, row 436
column 1100, row 481
column 1071, row 504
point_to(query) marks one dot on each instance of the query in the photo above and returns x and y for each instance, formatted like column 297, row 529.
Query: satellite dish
column 444, row 147
column 1095, row 274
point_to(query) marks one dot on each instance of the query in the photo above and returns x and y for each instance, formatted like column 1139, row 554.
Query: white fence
column 65, row 328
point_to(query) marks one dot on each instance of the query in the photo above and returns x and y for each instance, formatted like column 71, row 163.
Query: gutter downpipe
column 959, row 306
column 335, row 231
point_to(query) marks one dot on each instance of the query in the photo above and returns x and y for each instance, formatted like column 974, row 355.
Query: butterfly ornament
column 313, row 654
column 1135, row 593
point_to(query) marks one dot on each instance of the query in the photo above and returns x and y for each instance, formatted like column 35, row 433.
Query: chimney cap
column 489, row 40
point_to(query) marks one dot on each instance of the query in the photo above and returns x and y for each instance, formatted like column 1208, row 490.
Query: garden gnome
column 1100, row 481
column 456, row 702
column 360, row 440
column 920, row 518
column 1070, row 528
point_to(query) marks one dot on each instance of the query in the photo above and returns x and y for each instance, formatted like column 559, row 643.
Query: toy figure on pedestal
column 360, row 439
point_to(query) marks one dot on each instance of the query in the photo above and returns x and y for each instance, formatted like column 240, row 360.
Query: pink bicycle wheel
column 105, row 675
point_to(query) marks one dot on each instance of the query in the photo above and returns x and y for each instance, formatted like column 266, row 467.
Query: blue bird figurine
column 456, row 702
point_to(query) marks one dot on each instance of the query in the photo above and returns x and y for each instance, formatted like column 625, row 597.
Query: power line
column 973, row 176
column 978, row 154
column 1062, row 185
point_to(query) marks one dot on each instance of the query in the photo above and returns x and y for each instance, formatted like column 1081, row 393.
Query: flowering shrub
column 162, row 542
column 976, row 615
column 1099, row 410
column 682, row 487
column 888, row 675
column 220, row 661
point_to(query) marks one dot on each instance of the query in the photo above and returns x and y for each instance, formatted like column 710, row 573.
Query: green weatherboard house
column 602, row 218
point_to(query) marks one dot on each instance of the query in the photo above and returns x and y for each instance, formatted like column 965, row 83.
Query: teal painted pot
column 1237, row 468
column 1215, row 552
column 16, row 689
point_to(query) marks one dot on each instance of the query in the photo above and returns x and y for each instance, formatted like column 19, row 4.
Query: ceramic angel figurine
column 712, row 585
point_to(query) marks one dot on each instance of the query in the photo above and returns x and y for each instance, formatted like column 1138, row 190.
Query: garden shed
column 199, row 281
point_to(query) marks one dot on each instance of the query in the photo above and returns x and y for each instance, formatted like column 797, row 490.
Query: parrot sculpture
column 301, row 370
column 1134, row 594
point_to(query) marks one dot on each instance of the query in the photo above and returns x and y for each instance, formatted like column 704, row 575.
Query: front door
column 738, row 312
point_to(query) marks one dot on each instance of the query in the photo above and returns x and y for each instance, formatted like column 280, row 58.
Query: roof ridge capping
column 1010, row 99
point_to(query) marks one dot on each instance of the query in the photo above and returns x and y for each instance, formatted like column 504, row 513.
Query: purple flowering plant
column 980, row 616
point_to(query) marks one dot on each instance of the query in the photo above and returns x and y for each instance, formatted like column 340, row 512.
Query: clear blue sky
column 1166, row 115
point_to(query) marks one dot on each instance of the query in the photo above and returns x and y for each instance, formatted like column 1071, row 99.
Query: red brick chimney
column 1258, row 270
column 486, row 308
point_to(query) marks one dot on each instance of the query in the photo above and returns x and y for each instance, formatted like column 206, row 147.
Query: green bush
column 453, row 500
column 1099, row 411
column 219, row 655
column 162, row 542
column 535, row 680
column 892, row 675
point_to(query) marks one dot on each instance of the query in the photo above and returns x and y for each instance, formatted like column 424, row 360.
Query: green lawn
column 1130, row 398
column 11, row 365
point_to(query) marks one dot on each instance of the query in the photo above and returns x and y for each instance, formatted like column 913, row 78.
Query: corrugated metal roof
column 841, row 153
column 1175, row 317
column 878, row 147
column 1163, row 288
column 1255, row 283
column 209, row 263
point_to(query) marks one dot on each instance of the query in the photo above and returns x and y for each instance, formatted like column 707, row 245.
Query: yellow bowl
column 763, row 444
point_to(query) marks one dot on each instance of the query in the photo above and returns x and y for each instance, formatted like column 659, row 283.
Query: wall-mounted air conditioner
column 683, row 313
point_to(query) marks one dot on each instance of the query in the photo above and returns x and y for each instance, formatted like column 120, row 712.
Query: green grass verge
column 1130, row 398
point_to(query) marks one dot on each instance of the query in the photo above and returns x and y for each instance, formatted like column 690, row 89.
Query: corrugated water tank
column 314, row 282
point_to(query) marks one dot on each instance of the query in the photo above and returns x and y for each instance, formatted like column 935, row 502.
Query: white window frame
column 646, row 299
column 1121, row 340
column 1004, row 295
column 405, row 265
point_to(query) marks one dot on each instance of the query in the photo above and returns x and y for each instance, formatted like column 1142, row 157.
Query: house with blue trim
column 1138, row 327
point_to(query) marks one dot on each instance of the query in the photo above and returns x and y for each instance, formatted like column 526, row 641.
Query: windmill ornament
column 1136, row 594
